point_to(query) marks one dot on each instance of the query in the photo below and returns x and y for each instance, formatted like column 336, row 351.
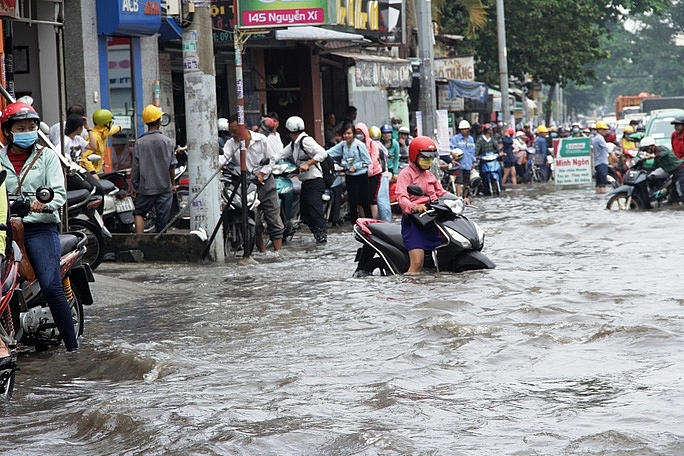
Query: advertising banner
column 9, row 8
column 573, row 162
column 281, row 13
column 461, row 68
column 381, row 20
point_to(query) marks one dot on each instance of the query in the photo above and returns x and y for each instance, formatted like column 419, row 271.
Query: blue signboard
column 128, row 17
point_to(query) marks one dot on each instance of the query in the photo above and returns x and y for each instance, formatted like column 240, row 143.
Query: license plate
column 125, row 205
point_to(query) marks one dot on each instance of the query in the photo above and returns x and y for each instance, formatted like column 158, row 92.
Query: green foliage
column 553, row 41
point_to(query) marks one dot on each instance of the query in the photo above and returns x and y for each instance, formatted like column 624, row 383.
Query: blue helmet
column 386, row 129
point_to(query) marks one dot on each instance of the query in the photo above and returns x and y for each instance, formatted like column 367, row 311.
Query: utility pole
column 199, row 77
column 503, row 61
column 428, row 95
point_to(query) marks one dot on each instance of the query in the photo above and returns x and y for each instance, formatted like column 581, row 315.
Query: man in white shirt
column 258, row 148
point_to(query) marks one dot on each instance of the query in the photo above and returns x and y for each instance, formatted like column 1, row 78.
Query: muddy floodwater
column 572, row 345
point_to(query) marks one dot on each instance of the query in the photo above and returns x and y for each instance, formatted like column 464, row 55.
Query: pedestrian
column 677, row 137
column 353, row 155
column 307, row 155
column 374, row 169
column 462, row 140
column 261, row 154
column 669, row 162
column 520, row 153
column 28, row 167
column 601, row 153
column 103, row 129
column 74, row 148
column 508, row 158
column 152, row 173
column 384, row 207
column 54, row 133
column 418, row 239
column 330, row 132
column 541, row 151
column 529, row 136
column 392, row 146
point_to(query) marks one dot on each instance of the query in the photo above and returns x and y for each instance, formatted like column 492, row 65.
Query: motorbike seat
column 107, row 186
column 76, row 197
column 68, row 242
column 388, row 232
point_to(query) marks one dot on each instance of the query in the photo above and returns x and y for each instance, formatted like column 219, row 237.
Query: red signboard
column 9, row 8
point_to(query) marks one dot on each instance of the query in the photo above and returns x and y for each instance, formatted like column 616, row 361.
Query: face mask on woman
column 25, row 139
column 360, row 137
column 425, row 163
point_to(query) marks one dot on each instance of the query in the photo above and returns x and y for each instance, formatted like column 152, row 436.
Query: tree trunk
column 548, row 104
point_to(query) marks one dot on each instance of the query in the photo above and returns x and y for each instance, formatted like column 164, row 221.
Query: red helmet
column 18, row 111
column 422, row 145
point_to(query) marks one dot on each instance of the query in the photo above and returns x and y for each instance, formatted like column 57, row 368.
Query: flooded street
column 573, row 345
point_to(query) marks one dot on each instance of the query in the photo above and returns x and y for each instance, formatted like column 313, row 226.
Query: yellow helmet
column 374, row 132
column 542, row 129
column 601, row 125
column 151, row 114
column 628, row 129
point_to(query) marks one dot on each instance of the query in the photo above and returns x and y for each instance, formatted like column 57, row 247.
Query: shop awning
column 379, row 71
column 468, row 89
column 310, row 33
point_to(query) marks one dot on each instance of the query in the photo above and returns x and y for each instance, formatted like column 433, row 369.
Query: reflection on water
column 570, row 346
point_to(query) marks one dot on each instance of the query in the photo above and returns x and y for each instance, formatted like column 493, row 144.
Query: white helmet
column 648, row 141
column 457, row 153
column 462, row 125
column 294, row 124
column 223, row 124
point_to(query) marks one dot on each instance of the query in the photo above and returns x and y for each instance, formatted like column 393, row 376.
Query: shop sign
column 383, row 20
column 9, row 8
column 128, row 17
column 383, row 74
column 573, row 162
column 462, row 68
column 450, row 104
column 281, row 13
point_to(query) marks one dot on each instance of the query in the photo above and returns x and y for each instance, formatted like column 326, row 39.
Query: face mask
column 553, row 135
column 425, row 163
column 575, row 130
column 360, row 137
column 25, row 139
column 396, row 126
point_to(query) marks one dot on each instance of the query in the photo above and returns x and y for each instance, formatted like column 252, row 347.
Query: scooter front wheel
column 622, row 202
column 95, row 247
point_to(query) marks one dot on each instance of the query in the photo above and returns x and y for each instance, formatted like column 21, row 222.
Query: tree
column 552, row 41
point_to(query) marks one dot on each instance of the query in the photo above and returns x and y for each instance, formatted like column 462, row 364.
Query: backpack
column 327, row 165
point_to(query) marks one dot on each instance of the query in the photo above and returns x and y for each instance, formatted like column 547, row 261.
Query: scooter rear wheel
column 96, row 242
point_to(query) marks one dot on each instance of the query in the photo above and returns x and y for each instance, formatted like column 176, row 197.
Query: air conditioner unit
column 171, row 7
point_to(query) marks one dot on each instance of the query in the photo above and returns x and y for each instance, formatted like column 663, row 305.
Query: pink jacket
column 413, row 175
column 373, row 150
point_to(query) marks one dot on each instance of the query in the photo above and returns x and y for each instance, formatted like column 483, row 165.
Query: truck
column 653, row 104
column 623, row 101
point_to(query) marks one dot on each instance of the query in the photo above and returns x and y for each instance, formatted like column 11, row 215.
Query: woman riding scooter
column 417, row 239
column 29, row 165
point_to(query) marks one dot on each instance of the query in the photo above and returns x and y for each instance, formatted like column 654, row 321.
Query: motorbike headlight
column 456, row 205
column 480, row 233
column 458, row 238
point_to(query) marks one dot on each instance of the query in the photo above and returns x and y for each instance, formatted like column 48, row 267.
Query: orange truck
column 623, row 101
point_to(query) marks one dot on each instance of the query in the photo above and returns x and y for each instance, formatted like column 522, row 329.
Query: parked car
column 659, row 126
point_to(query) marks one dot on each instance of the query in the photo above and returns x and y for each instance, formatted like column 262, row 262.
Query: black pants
column 311, row 207
column 358, row 193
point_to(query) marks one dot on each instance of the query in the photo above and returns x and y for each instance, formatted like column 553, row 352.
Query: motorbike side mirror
column 415, row 190
column 44, row 128
column 45, row 194
column 94, row 158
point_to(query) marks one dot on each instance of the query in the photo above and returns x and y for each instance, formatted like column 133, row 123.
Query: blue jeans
column 44, row 253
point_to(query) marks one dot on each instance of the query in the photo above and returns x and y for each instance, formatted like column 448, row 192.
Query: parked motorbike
column 233, row 239
column 640, row 189
column 24, row 314
column 383, row 248
column 118, row 204
column 83, row 216
column 335, row 198
column 288, row 187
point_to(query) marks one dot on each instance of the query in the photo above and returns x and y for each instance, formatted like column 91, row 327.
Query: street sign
column 573, row 162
